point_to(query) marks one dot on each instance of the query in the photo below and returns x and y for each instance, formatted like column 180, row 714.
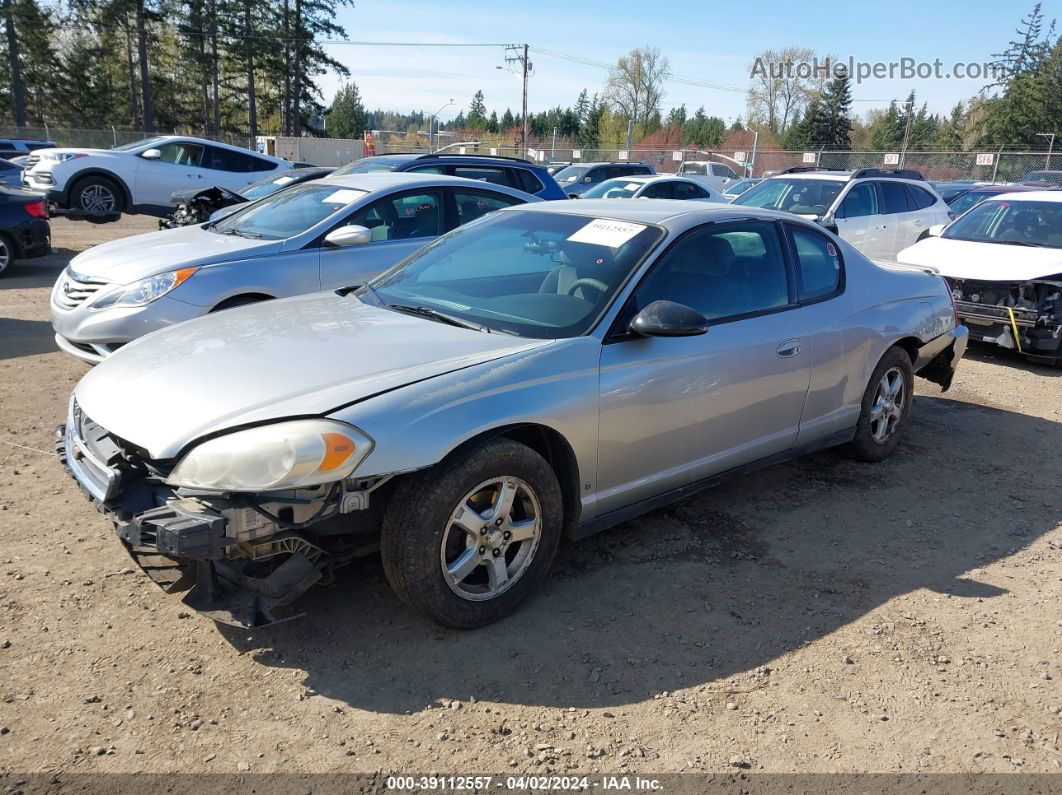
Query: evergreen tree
column 677, row 116
column 508, row 121
column 1027, row 53
column 477, row 112
column 836, row 109
column 346, row 116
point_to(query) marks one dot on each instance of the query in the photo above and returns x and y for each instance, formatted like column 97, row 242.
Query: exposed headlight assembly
column 285, row 455
column 144, row 291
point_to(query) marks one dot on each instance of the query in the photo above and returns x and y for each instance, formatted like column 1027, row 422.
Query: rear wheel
column 466, row 542
column 885, row 408
column 97, row 197
column 7, row 252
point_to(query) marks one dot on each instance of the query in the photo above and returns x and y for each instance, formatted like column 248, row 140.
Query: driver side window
column 181, row 154
column 401, row 217
column 721, row 271
column 861, row 200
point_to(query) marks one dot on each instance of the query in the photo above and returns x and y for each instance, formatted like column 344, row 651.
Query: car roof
column 654, row 211
column 380, row 180
column 1029, row 196
column 1003, row 189
column 646, row 179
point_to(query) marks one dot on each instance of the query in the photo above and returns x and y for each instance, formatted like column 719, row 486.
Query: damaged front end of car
column 196, row 206
column 1023, row 316
column 241, row 558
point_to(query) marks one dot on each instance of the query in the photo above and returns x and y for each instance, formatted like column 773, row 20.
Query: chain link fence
column 997, row 166
column 107, row 139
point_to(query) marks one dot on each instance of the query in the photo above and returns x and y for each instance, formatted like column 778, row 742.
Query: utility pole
column 906, row 133
column 1050, row 147
column 516, row 55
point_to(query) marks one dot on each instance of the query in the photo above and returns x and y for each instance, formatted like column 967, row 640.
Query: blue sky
column 704, row 41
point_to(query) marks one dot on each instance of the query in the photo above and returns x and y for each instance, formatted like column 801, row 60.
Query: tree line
column 241, row 66
column 212, row 66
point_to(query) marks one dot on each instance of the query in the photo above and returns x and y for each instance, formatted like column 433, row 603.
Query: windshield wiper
column 241, row 233
column 440, row 317
column 1021, row 243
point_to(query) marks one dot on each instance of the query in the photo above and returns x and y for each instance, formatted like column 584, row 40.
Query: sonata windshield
column 614, row 189
column 801, row 196
column 288, row 212
column 534, row 274
column 1020, row 223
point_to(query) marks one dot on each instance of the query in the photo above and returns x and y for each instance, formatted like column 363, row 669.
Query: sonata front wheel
column 467, row 541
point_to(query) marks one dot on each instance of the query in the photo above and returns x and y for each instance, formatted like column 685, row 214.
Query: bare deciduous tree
column 635, row 84
column 783, row 82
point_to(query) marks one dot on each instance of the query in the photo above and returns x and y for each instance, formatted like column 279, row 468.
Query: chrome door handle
column 788, row 349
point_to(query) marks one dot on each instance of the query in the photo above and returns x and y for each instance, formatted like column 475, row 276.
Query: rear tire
column 97, row 197
column 7, row 252
column 467, row 541
column 885, row 408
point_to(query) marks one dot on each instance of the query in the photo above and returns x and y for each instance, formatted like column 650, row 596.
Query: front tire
column 467, row 541
column 885, row 408
column 96, row 197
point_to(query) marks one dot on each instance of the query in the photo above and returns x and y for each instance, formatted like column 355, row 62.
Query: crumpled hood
column 986, row 262
column 131, row 258
column 295, row 357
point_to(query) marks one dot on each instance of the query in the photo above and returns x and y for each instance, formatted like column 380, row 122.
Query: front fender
column 418, row 425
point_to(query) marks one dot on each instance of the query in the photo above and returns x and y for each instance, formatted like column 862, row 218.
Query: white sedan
column 1003, row 261
column 140, row 177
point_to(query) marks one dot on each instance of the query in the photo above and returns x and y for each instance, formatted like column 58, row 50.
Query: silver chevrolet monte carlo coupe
column 547, row 369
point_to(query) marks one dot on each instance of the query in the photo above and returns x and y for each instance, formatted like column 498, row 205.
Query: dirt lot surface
column 823, row 615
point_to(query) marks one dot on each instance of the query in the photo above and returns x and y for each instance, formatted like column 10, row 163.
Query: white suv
column 878, row 211
column 141, row 177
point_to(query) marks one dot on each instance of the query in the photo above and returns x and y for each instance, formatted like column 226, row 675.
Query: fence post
column 995, row 168
column 114, row 135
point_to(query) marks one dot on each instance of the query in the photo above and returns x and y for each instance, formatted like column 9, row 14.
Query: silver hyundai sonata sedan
column 545, row 370
column 318, row 235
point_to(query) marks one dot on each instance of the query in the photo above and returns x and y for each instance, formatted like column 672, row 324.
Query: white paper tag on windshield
column 600, row 232
column 283, row 180
column 341, row 197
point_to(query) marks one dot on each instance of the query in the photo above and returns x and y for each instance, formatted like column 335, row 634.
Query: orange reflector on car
column 338, row 448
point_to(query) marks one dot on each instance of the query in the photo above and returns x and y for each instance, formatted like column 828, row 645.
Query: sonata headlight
column 144, row 291
column 285, row 455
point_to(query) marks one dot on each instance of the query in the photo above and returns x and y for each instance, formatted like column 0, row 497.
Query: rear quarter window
column 819, row 266
column 919, row 199
column 894, row 196
column 524, row 180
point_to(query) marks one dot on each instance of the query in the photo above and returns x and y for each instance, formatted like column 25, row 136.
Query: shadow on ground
column 25, row 338
column 990, row 353
column 722, row 583
column 26, row 274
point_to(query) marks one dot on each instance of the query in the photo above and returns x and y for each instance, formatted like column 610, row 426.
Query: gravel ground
column 823, row 615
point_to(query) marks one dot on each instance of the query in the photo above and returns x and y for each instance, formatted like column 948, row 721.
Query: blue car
column 512, row 172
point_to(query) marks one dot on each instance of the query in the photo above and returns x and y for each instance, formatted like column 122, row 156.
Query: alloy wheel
column 887, row 409
column 98, row 200
column 491, row 538
column 6, row 255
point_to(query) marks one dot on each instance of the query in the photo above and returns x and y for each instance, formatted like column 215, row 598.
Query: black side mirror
column 668, row 319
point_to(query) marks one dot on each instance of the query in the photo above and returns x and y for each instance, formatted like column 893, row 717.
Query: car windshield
column 571, row 174
column 263, row 187
column 803, row 196
column 970, row 199
column 533, row 274
column 1025, row 223
column 614, row 189
column 148, row 142
column 368, row 165
column 288, row 213
column 739, row 187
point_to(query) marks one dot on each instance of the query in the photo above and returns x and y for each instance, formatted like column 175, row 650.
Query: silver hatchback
column 546, row 370
column 317, row 235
